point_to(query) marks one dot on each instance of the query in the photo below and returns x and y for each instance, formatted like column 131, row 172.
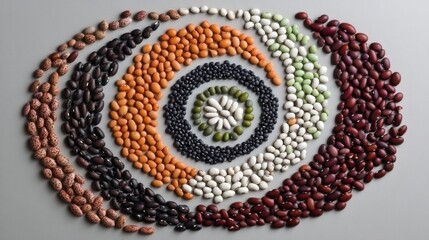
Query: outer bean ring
column 394, row 138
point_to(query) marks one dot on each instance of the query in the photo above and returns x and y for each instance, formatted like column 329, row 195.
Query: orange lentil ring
column 136, row 104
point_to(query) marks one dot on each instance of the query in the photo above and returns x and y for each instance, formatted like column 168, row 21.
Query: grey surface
column 392, row 208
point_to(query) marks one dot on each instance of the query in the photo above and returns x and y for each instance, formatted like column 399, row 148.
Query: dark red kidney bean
column 308, row 23
column 321, row 42
column 343, row 50
column 372, row 56
column 361, row 37
column 251, row 222
column 268, row 202
column 333, row 22
column 336, row 45
column 215, row 216
column 328, row 40
column 322, row 19
column 333, row 196
column 273, row 193
column 301, row 15
column 317, row 27
column 236, row 205
column 391, row 150
column 396, row 141
column 381, row 173
column 329, row 206
column 310, row 204
column 345, row 197
column 381, row 53
column 270, row 219
column 388, row 167
column 303, row 195
column 72, row 57
column 343, row 36
column 358, row 185
column 389, row 88
column 328, row 179
column 340, row 206
column 324, row 189
column 350, row 29
column 316, row 212
column 368, row 177
column 375, row 46
column 212, row 208
column 210, row 223
column 378, row 67
column 292, row 222
column 278, row 224
column 294, row 213
column 386, row 63
column 254, row 201
column 397, row 120
column 398, row 97
column 344, row 188
column 385, row 75
column 329, row 31
column 402, row 130
column 395, row 79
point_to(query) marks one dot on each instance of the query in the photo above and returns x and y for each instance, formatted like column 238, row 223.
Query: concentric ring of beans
column 178, row 127
column 381, row 151
column 306, row 111
column 150, row 74
column 325, row 194
column 295, row 102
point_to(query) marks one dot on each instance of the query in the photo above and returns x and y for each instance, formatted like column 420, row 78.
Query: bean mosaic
column 362, row 146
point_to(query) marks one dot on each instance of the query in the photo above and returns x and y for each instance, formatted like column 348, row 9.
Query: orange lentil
column 291, row 121
column 151, row 156
column 132, row 157
column 124, row 152
column 119, row 141
column 166, row 179
column 137, row 165
column 188, row 196
column 147, row 48
column 176, row 173
column 156, row 183
column 158, row 175
column 179, row 192
column 146, row 168
column 170, row 187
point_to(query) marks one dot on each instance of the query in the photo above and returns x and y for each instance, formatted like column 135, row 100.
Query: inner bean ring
column 203, row 108
column 179, row 128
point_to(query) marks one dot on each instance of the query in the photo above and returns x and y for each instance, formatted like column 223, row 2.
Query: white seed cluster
column 223, row 114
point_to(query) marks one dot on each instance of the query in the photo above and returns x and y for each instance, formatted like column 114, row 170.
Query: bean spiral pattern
column 362, row 145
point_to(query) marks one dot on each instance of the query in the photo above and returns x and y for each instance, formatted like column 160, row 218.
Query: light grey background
column 392, row 208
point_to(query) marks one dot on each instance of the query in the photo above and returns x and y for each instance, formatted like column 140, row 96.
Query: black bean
column 146, row 32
